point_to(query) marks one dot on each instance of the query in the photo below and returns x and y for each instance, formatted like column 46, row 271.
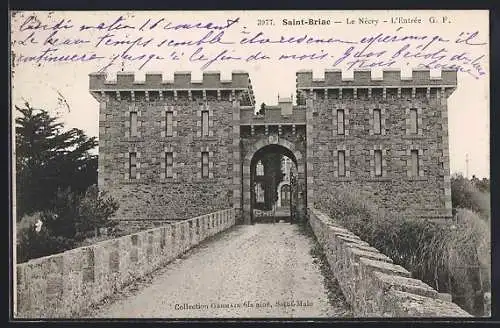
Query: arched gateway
column 272, row 144
column 176, row 149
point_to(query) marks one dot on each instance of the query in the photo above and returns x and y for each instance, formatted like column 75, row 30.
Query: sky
column 431, row 38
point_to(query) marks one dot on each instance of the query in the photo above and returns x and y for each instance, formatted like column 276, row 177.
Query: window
column 378, row 163
column 413, row 121
column 204, row 164
column 168, row 124
column 414, row 163
column 133, row 165
column 259, row 193
column 341, row 159
column 260, row 168
column 285, row 195
column 133, row 124
column 169, row 163
column 340, row 121
column 376, row 121
column 204, row 123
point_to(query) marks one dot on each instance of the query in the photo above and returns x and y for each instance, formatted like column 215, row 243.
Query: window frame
column 377, row 163
column 205, row 120
column 169, row 123
column 132, row 165
column 169, row 164
column 414, row 161
column 413, row 121
column 377, row 122
column 340, row 123
column 205, row 165
column 341, row 163
column 133, row 121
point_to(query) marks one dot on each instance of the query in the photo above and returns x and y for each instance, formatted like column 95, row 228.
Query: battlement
column 126, row 81
column 182, row 80
column 364, row 78
column 274, row 115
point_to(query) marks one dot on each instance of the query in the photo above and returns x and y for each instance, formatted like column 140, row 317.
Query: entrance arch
column 288, row 149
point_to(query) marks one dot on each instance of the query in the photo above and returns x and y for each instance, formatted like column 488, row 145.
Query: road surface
column 251, row 271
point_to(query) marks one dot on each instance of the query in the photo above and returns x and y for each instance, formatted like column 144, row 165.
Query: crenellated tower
column 170, row 149
column 386, row 136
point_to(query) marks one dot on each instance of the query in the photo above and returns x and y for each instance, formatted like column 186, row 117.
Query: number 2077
column 268, row 22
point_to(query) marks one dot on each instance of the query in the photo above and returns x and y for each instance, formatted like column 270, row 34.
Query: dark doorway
column 271, row 170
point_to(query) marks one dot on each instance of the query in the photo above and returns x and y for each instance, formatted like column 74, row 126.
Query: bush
column 447, row 257
column 72, row 219
column 31, row 243
column 471, row 194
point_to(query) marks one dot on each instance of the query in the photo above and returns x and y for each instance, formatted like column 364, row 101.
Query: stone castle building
column 176, row 149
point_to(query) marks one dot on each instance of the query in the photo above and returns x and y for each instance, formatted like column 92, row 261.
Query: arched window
column 260, row 168
column 285, row 195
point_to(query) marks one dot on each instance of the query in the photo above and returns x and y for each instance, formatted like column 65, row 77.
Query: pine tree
column 49, row 159
column 262, row 109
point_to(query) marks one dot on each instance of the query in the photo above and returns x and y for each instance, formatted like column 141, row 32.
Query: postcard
column 250, row 164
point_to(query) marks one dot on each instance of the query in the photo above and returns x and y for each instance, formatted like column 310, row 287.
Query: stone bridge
column 209, row 267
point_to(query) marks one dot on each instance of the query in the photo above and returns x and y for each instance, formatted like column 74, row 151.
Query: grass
column 451, row 258
column 335, row 296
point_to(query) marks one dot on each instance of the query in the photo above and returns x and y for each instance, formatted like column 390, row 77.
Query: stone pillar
column 237, row 174
column 309, row 180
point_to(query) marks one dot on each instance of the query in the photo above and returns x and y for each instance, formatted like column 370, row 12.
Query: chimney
column 286, row 106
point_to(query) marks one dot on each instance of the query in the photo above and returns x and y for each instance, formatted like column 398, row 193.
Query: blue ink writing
column 208, row 38
column 29, row 39
column 188, row 26
column 47, row 55
column 33, row 23
column 405, row 53
column 260, row 38
column 53, row 41
column 313, row 56
column 381, row 38
column 221, row 56
column 257, row 56
column 468, row 37
column 115, row 25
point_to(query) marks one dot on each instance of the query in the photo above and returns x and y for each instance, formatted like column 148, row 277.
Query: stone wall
column 158, row 192
column 66, row 284
column 152, row 194
column 373, row 285
column 426, row 195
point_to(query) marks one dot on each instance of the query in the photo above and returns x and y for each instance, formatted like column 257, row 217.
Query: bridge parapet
column 67, row 284
column 372, row 284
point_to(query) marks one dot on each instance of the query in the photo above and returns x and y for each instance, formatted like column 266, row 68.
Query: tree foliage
column 48, row 159
column 274, row 175
column 58, row 204
column 471, row 194
column 262, row 109
column 72, row 219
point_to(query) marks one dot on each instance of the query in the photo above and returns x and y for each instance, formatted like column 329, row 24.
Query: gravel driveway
column 251, row 271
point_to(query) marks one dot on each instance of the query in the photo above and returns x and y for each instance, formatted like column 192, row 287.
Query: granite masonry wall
column 65, row 285
column 182, row 192
column 312, row 127
column 426, row 194
column 373, row 285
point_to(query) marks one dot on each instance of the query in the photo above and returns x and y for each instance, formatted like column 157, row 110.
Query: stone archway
column 260, row 144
